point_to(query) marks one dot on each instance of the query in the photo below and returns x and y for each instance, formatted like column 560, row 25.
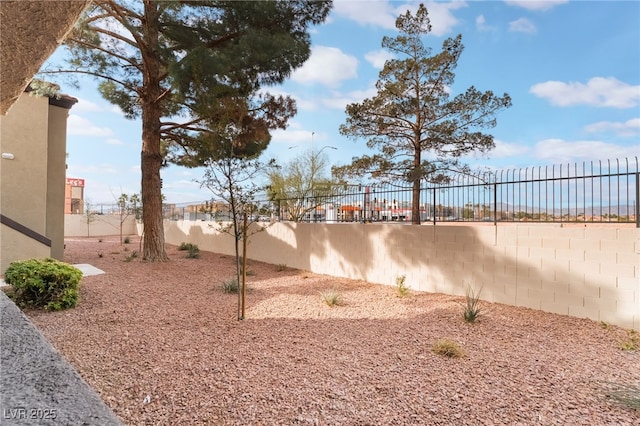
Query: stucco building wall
column 32, row 183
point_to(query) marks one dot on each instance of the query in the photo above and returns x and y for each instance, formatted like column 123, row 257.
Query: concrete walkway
column 37, row 385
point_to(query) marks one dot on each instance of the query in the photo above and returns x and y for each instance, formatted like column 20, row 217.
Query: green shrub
column 401, row 286
column 447, row 348
column 281, row 267
column 472, row 308
column 127, row 240
column 194, row 252
column 187, row 246
column 44, row 283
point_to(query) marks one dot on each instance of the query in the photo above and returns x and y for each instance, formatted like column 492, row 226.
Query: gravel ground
column 161, row 345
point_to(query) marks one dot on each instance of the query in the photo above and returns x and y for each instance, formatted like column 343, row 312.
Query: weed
column 447, row 348
column 230, row 285
column 331, row 297
column 131, row 256
column 472, row 308
column 100, row 254
column 632, row 342
column 99, row 240
column 281, row 267
column 127, row 240
column 604, row 325
column 401, row 286
column 626, row 395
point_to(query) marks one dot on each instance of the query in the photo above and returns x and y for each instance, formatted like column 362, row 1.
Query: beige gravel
column 161, row 344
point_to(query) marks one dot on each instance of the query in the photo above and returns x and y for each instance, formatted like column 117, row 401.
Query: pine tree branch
column 97, row 75
column 92, row 46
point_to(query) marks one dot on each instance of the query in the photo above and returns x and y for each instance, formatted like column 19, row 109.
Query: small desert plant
column 127, row 240
column 230, row 285
column 194, row 252
column 626, row 395
column 131, row 256
column 100, row 254
column 401, row 286
column 331, row 297
column 99, row 240
column 46, row 283
column 281, row 267
column 447, row 348
column 472, row 308
column 632, row 342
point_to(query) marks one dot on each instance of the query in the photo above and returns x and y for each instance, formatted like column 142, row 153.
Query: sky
column 572, row 69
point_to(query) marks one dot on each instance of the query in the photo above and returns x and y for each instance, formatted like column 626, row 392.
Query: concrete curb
column 37, row 385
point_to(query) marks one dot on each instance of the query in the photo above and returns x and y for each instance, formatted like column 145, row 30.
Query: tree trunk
column 417, row 178
column 151, row 158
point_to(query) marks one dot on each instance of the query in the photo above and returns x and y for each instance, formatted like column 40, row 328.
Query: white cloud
column 383, row 13
column 599, row 91
column 481, row 24
column 80, row 126
column 536, row 4
column 506, row 150
column 522, row 25
column 294, row 136
column 114, row 141
column 85, row 105
column 441, row 16
column 328, row 66
column 560, row 151
column 339, row 101
column 626, row 128
column 374, row 13
column 377, row 58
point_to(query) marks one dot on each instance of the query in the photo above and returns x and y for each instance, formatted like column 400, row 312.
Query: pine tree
column 413, row 113
column 175, row 65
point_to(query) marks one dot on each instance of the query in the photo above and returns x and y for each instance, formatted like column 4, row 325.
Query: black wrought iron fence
column 594, row 192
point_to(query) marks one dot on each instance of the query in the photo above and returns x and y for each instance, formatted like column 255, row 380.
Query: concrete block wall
column 587, row 272
column 75, row 225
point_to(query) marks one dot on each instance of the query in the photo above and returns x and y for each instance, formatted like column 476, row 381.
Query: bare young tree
column 298, row 185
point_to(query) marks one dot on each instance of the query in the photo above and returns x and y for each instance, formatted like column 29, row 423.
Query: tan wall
column 75, row 225
column 23, row 180
column 590, row 272
column 56, row 179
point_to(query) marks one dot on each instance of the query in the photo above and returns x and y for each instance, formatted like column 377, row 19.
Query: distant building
column 74, row 196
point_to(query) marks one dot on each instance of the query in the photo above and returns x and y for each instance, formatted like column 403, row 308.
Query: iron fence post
column 434, row 206
column 495, row 203
column 637, row 199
